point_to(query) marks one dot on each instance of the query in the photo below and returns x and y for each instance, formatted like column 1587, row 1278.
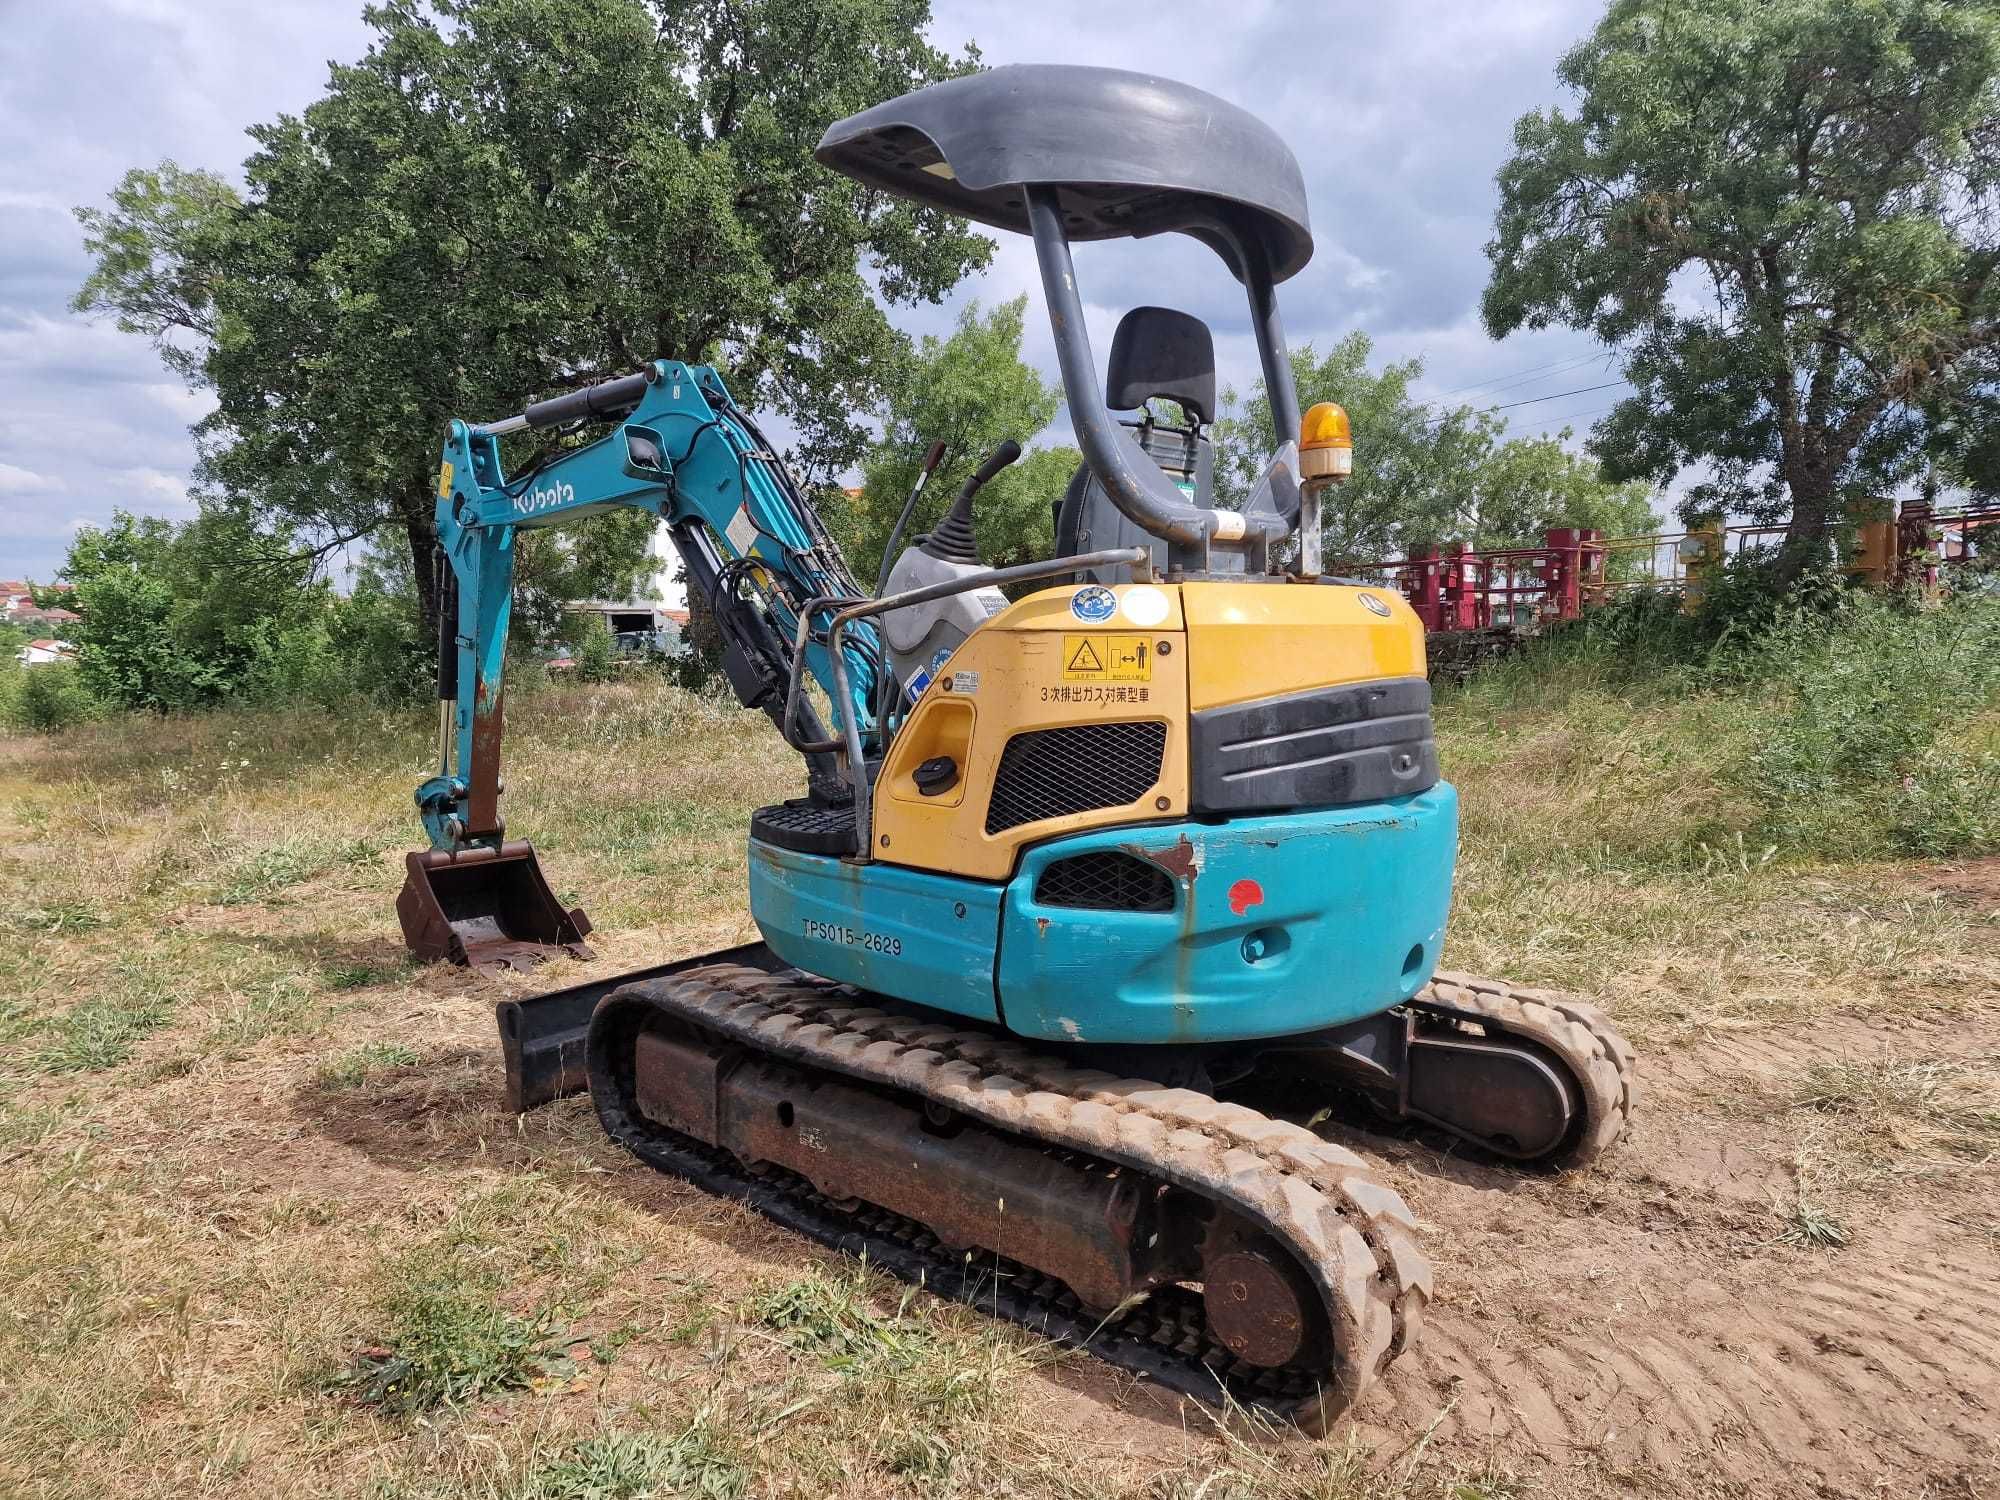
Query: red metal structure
column 1457, row 589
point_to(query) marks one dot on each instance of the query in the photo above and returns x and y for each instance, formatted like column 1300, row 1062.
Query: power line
column 1531, row 370
column 1575, row 364
column 1579, row 391
column 1571, row 416
column 1582, row 390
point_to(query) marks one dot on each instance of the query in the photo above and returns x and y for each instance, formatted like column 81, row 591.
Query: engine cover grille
column 1108, row 880
column 1051, row 773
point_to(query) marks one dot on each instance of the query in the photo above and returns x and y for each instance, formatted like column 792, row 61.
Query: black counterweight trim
column 1330, row 747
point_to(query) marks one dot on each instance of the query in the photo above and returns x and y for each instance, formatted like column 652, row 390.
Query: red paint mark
column 1245, row 894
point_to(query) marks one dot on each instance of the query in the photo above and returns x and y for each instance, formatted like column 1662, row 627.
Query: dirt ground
column 1785, row 1283
column 1643, row 1327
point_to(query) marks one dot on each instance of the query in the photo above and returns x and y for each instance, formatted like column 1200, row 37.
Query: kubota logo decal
column 540, row 499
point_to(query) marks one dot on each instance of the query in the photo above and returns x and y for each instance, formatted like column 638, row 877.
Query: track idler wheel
column 1262, row 1306
column 1548, row 1034
column 1507, row 1095
column 1530, row 1075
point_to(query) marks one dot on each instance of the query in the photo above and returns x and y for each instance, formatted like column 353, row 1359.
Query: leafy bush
column 293, row 662
column 1826, row 722
column 48, row 698
column 180, row 617
column 1867, row 689
column 596, row 657
column 377, row 632
column 1949, row 805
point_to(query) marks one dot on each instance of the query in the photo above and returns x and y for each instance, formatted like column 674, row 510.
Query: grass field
column 265, row 1228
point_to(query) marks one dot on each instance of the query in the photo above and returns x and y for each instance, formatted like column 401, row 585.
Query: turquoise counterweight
column 1279, row 925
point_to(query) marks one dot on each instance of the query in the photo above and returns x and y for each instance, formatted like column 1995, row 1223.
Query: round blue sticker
column 1093, row 604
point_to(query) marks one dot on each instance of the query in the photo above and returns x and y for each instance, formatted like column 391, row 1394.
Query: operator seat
column 1156, row 352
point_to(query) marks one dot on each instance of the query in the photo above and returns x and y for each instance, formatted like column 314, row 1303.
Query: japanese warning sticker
column 1107, row 658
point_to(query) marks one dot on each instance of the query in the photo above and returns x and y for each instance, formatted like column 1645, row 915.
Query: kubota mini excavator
column 1080, row 880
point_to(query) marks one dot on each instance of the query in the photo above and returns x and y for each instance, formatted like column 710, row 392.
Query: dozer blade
column 543, row 1037
column 487, row 909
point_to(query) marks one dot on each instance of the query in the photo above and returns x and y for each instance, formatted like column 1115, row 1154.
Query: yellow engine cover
column 1130, row 654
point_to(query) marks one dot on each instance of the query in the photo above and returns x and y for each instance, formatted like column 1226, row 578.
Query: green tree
column 1784, row 213
column 179, row 617
column 1424, row 476
column 1529, row 484
column 970, row 391
column 1413, row 467
column 506, row 197
column 1963, row 433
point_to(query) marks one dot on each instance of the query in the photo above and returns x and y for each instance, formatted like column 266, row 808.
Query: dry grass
column 252, row 1164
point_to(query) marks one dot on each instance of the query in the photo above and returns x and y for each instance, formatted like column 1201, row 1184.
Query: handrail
column 794, row 679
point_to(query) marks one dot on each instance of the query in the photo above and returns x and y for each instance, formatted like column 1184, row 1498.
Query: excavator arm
column 680, row 449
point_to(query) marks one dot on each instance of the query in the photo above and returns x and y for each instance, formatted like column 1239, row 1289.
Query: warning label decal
column 1107, row 658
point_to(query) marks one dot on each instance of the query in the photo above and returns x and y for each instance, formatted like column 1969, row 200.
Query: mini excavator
column 1103, row 862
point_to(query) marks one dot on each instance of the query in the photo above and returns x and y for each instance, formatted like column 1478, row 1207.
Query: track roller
column 1086, row 1206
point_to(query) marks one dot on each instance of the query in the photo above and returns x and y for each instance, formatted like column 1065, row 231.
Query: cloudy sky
column 1400, row 113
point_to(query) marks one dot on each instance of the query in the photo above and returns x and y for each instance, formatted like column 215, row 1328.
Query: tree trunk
column 421, row 530
column 1809, row 480
column 1805, row 544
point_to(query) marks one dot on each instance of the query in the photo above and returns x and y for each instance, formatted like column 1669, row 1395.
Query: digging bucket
column 489, row 909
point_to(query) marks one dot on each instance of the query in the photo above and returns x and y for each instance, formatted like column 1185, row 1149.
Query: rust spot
column 1245, row 894
column 1041, row 927
column 1180, row 860
column 482, row 812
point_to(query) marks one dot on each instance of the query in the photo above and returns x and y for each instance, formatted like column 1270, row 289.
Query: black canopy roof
column 1130, row 153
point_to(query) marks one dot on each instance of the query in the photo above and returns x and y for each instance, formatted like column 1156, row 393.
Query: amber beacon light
column 1326, row 443
column 1326, row 456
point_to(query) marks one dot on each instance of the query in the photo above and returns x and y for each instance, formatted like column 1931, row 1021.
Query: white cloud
column 165, row 492
column 186, row 405
column 15, row 480
column 1399, row 116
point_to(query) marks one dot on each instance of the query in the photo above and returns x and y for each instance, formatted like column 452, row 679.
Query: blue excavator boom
column 680, row 449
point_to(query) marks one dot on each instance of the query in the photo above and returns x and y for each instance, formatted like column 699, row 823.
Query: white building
column 40, row 653
column 666, row 608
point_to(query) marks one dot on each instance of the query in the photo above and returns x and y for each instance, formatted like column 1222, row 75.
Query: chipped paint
column 1344, row 899
column 1182, row 859
column 1070, row 1029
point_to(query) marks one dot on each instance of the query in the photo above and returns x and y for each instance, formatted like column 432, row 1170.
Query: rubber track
column 1350, row 1230
column 1597, row 1056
